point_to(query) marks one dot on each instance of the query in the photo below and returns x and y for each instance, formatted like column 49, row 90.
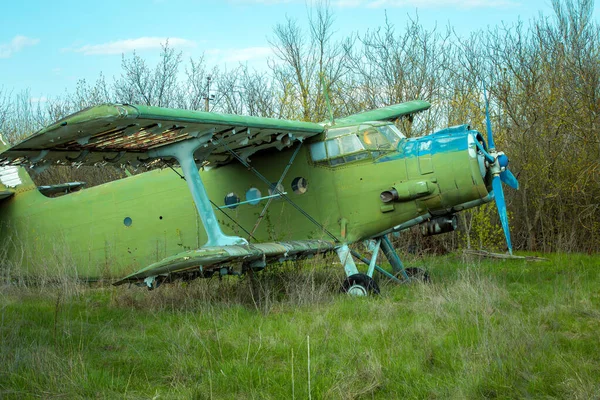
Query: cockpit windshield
column 357, row 142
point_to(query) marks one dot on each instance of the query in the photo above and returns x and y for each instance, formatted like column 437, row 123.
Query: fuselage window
column 232, row 199
column 299, row 185
column 253, row 195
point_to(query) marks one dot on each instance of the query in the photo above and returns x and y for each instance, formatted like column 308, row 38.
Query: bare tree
column 390, row 68
column 142, row 85
column 302, row 60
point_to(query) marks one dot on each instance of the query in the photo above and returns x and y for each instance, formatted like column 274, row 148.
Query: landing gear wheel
column 360, row 285
column 417, row 274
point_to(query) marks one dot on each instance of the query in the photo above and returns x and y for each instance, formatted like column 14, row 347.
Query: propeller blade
column 488, row 123
column 507, row 177
column 487, row 155
column 501, row 205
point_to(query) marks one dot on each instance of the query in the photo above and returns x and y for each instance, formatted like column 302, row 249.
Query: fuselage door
column 425, row 161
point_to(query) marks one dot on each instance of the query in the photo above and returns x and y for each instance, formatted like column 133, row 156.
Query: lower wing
column 204, row 261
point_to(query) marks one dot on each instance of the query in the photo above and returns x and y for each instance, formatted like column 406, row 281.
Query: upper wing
column 125, row 133
column 388, row 113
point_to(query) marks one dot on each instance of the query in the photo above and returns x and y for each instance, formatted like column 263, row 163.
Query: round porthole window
column 231, row 199
column 127, row 221
column 253, row 195
column 272, row 191
column 299, row 185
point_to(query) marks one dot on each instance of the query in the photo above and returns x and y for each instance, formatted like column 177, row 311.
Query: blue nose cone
column 503, row 160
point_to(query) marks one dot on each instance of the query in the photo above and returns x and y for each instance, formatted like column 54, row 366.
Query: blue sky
column 46, row 46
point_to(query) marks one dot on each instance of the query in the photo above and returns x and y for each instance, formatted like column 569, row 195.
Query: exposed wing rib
column 125, row 133
column 212, row 257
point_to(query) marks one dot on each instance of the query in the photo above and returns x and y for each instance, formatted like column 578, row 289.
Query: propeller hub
column 502, row 160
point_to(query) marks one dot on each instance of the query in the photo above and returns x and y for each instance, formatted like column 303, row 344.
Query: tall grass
column 21, row 267
column 304, row 283
column 481, row 329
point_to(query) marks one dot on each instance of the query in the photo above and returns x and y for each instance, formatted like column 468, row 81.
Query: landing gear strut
column 359, row 284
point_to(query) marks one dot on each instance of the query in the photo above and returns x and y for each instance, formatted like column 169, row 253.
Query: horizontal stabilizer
column 210, row 258
column 389, row 113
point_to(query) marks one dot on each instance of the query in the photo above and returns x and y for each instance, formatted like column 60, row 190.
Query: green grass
column 481, row 329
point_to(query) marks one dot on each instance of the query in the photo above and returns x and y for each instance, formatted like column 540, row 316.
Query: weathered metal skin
column 149, row 223
column 210, row 258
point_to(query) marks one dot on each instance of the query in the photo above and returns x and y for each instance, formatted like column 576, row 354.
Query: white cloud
column 129, row 45
column 463, row 4
column 18, row 43
column 42, row 99
column 240, row 55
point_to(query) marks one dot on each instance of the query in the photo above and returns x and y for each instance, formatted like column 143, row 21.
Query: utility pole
column 208, row 97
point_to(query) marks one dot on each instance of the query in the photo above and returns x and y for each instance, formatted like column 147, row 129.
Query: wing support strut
column 184, row 153
column 285, row 171
column 275, row 190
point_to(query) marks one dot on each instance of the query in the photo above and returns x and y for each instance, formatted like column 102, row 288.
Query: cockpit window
column 339, row 150
column 373, row 138
column 336, row 132
column 317, row 151
column 392, row 133
column 353, row 143
column 343, row 146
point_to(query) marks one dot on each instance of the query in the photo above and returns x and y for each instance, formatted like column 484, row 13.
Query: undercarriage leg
column 356, row 284
column 382, row 271
column 343, row 253
column 373, row 261
column 392, row 256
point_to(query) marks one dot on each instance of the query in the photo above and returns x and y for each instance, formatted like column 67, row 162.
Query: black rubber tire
column 363, row 280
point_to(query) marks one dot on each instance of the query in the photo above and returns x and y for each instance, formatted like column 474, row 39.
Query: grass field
column 481, row 329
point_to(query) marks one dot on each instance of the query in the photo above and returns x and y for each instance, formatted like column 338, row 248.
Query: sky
column 46, row 46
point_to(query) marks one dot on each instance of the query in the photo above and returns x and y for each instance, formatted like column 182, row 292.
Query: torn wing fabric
column 120, row 134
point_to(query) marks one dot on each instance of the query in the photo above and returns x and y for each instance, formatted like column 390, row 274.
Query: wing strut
column 280, row 193
column 184, row 153
column 285, row 171
column 218, row 208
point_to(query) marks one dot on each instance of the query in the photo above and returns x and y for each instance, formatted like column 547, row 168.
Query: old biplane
column 262, row 191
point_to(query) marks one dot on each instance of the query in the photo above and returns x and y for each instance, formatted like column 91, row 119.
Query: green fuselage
column 119, row 227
